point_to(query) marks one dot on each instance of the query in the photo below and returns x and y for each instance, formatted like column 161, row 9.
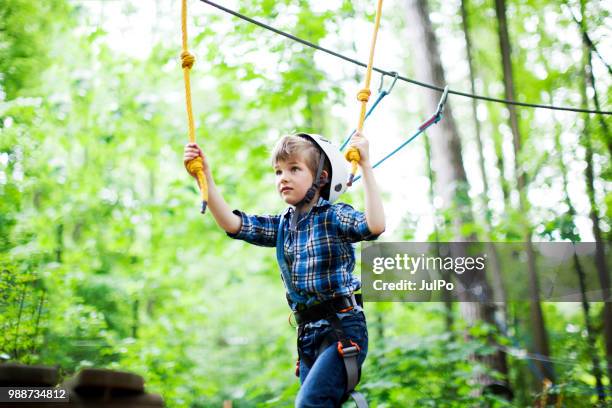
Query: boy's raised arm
column 374, row 211
column 222, row 213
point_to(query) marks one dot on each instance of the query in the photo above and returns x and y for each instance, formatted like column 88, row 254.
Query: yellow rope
column 363, row 96
column 195, row 167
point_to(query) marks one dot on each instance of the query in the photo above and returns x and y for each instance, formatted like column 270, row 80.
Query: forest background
column 106, row 262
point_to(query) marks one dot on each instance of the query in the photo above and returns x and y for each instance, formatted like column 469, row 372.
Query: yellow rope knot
column 364, row 95
column 352, row 155
column 195, row 166
column 187, row 59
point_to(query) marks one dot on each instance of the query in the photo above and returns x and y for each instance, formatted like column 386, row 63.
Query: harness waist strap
column 324, row 309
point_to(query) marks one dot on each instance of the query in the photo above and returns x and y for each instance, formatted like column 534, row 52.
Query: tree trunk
column 537, row 317
column 501, row 167
column 571, row 213
column 38, row 314
column 135, row 320
column 452, row 185
column 589, row 48
column 448, row 305
column 498, row 284
column 600, row 256
column 59, row 249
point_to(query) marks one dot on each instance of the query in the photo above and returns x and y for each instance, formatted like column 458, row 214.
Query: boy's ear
column 324, row 178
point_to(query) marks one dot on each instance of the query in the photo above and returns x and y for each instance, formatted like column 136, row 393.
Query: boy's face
column 293, row 179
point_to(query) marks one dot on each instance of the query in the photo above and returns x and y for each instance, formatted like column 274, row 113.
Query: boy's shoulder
column 339, row 212
column 335, row 208
column 342, row 207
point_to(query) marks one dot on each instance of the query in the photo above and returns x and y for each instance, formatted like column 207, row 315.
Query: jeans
column 324, row 383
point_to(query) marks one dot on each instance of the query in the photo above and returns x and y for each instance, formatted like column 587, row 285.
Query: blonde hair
column 291, row 146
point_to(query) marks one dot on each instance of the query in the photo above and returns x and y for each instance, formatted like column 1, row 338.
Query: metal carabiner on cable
column 442, row 102
column 382, row 80
column 436, row 117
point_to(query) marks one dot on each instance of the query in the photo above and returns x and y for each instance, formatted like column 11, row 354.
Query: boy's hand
column 359, row 142
column 192, row 150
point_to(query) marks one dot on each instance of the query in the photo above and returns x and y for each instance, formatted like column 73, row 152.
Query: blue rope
column 421, row 130
column 394, row 151
column 435, row 118
column 381, row 95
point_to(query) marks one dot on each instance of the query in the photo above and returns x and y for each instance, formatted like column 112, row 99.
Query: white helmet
column 339, row 171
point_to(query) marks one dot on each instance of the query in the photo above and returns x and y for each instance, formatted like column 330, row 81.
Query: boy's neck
column 305, row 208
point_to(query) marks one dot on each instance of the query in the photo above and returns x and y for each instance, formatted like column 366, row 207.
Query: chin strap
column 316, row 183
column 310, row 194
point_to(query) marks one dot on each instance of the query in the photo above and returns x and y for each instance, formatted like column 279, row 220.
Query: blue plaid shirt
column 319, row 253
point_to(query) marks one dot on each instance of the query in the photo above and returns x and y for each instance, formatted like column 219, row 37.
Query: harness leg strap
column 349, row 351
column 351, row 366
column 359, row 399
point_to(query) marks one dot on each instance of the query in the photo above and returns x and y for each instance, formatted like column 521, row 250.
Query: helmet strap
column 312, row 191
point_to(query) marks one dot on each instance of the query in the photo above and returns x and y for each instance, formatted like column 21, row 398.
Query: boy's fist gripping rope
column 363, row 96
column 195, row 167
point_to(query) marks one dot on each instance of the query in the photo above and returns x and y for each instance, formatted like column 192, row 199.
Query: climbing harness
column 347, row 349
column 435, row 118
column 381, row 94
column 352, row 155
column 195, row 167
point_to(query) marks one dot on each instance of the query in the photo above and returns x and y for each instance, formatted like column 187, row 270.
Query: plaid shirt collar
column 319, row 205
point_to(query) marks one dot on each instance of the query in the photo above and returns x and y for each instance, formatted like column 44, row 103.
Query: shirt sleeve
column 257, row 229
column 352, row 225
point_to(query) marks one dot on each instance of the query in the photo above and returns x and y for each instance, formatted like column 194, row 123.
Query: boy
column 313, row 239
